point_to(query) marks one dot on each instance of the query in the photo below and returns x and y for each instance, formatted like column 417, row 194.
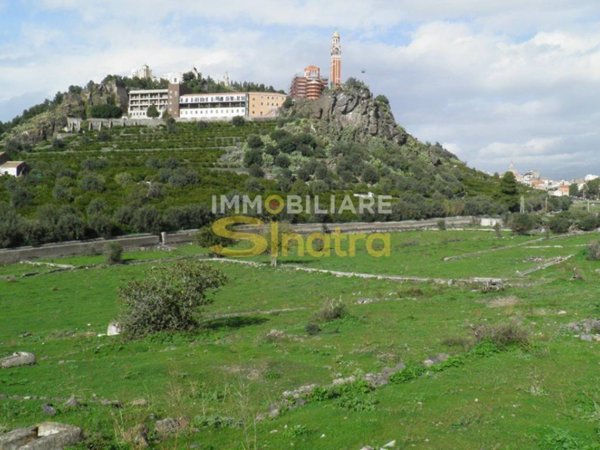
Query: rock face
column 17, row 359
column 354, row 113
column 45, row 436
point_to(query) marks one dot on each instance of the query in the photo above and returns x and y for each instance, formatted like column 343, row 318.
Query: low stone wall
column 73, row 248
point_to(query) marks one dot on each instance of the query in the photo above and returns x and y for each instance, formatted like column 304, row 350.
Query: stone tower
column 335, row 78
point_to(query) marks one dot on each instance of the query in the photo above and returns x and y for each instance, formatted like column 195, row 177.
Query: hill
column 148, row 179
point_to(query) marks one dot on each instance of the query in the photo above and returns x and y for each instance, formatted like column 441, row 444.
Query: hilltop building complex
column 214, row 106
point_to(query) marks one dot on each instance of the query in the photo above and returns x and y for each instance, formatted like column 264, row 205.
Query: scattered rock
column 382, row 378
column 364, row 301
column 346, row 380
column 300, row 392
column 17, row 359
column 138, row 436
column 503, row 302
column 17, row 438
column 113, row 403
column 49, row 410
column 274, row 411
column 390, row 444
column 45, row 436
column 586, row 337
column 52, row 435
column 114, row 329
column 432, row 360
column 367, row 447
column 139, row 402
column 275, row 335
column 71, row 402
column 170, row 425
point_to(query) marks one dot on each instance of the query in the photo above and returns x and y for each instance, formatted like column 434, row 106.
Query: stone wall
column 73, row 248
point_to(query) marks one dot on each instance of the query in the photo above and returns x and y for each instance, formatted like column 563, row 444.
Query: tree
column 153, row 111
column 254, row 141
column 509, row 191
column 168, row 298
column 105, row 111
column 238, row 121
column 522, row 223
column 253, row 156
column 573, row 190
column 282, row 160
column 369, row 175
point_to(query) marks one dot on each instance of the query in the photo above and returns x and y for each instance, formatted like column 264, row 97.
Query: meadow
column 254, row 344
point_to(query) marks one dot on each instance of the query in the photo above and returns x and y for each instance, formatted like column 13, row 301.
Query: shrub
column 206, row 238
column 441, row 224
column 168, row 298
column 502, row 335
column 593, row 251
column 331, row 310
column 105, row 111
column 238, row 121
column 589, row 222
column 114, row 253
column 559, row 224
column 312, row 329
column 522, row 223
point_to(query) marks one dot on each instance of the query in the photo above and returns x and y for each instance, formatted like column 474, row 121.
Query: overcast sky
column 493, row 81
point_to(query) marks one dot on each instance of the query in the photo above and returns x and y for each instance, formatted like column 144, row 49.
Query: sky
column 495, row 82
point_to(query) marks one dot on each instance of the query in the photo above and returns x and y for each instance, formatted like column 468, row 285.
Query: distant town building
column 309, row 86
column 335, row 71
column 173, row 77
column 143, row 72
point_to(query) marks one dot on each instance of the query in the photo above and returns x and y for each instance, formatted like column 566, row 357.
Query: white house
column 13, row 168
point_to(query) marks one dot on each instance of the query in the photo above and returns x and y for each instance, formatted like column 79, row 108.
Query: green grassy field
column 542, row 396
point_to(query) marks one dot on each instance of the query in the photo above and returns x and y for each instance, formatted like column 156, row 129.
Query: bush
column 238, row 121
column 522, row 223
column 168, row 298
column 503, row 335
column 312, row 329
column 206, row 238
column 331, row 310
column 114, row 253
column 593, row 251
column 105, row 111
column 441, row 224
column 589, row 222
column 559, row 224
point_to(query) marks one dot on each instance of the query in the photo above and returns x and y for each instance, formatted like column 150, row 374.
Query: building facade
column 309, row 86
column 264, row 104
column 219, row 106
column 335, row 69
column 141, row 99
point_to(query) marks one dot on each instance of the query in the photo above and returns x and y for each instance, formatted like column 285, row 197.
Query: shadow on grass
column 233, row 322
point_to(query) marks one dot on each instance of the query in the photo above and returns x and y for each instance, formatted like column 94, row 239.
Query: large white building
column 141, row 99
column 220, row 106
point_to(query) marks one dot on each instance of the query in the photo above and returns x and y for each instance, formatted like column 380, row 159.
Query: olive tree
column 168, row 298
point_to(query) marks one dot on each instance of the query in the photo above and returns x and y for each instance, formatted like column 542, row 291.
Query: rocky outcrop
column 352, row 112
column 45, row 436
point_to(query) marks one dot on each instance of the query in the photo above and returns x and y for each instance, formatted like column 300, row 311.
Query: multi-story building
column 264, row 104
column 179, row 103
column 335, row 70
column 212, row 106
column 309, row 86
column 141, row 99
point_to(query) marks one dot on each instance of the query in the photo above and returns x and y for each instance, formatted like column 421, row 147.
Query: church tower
column 335, row 72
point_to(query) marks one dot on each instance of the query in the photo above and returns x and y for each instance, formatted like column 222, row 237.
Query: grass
column 224, row 374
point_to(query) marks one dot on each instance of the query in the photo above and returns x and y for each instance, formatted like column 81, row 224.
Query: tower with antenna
column 335, row 72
